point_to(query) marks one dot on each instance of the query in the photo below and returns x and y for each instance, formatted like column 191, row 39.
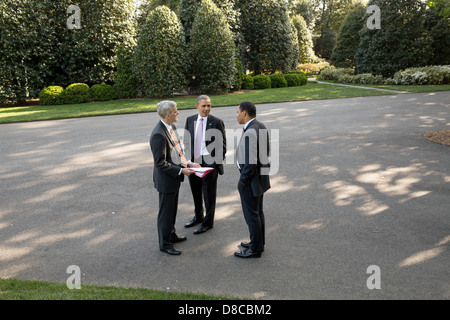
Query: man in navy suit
column 206, row 145
column 169, row 168
column 252, row 159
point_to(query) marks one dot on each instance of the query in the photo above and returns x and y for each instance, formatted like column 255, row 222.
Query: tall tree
column 401, row 42
column 267, row 34
column 212, row 50
column 38, row 49
column 305, row 43
column 160, row 55
column 348, row 38
column 438, row 28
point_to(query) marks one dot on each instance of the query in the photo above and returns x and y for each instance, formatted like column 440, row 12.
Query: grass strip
column 15, row 289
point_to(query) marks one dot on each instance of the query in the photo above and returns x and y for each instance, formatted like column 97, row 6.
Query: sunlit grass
column 14, row 289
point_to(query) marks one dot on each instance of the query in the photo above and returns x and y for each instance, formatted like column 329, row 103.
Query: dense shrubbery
column 50, row 95
column 314, row 68
column 76, row 93
column 425, row 75
column 410, row 76
column 262, row 81
column 278, row 80
column 102, row 92
column 37, row 48
column 247, row 82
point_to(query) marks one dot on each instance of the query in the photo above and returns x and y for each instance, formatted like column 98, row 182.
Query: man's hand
column 194, row 165
column 187, row 171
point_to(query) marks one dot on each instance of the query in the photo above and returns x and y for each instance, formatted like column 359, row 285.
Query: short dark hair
column 249, row 107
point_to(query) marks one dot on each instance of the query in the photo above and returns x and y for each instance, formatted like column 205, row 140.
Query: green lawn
column 14, row 289
column 308, row 92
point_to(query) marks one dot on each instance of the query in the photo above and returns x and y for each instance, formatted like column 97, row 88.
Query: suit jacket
column 252, row 154
column 166, row 160
column 212, row 144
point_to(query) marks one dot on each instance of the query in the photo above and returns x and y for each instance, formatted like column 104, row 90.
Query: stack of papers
column 201, row 172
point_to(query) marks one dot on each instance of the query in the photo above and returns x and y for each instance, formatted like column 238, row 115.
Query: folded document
column 201, row 172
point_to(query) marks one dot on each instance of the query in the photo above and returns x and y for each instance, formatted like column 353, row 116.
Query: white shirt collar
column 167, row 126
column 248, row 122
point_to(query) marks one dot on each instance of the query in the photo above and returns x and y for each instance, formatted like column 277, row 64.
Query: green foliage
column 188, row 11
column 423, row 76
column 262, row 81
column 278, row 80
column 438, row 28
column 37, row 49
column 431, row 75
column 305, row 43
column 50, row 95
column 125, row 82
column 300, row 78
column 314, row 68
column 240, row 72
column 76, row 93
column 247, row 82
column 160, row 55
column 443, row 7
column 212, row 50
column 102, row 92
column 347, row 42
column 267, row 35
column 401, row 42
column 293, row 80
column 325, row 43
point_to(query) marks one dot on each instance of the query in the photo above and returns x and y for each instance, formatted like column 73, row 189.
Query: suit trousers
column 168, row 206
column 254, row 216
column 204, row 188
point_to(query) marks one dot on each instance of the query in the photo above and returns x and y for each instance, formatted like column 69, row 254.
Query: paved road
column 357, row 185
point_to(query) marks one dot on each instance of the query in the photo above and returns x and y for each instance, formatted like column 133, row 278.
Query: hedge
column 262, row 81
column 50, row 95
column 76, row 93
column 247, row 82
column 410, row 76
column 278, row 80
column 102, row 92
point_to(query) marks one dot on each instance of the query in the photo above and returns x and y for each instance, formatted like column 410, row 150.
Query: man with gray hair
column 169, row 168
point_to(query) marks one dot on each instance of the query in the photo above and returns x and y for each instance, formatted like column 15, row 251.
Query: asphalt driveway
column 355, row 185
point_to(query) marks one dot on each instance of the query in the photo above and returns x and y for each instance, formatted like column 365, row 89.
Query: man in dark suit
column 252, row 159
column 206, row 145
column 170, row 166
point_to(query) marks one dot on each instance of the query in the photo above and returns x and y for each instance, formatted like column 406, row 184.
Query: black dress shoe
column 245, row 244
column 179, row 239
column 171, row 251
column 201, row 229
column 193, row 222
column 248, row 254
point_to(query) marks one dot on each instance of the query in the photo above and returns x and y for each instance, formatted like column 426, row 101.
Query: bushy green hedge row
column 275, row 80
column 411, row 76
column 76, row 93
